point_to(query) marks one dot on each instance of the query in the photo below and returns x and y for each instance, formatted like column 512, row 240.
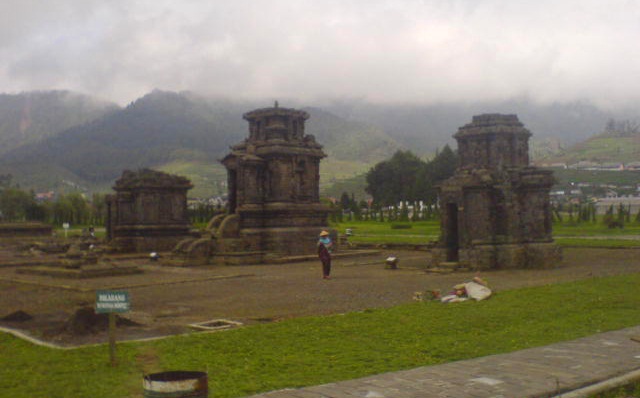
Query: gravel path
column 166, row 299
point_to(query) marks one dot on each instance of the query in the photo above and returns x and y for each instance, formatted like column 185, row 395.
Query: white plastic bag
column 477, row 291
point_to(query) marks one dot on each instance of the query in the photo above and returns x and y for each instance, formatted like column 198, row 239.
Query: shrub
column 401, row 226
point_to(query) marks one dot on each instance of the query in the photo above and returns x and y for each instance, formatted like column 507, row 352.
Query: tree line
column 18, row 205
column 407, row 178
column 403, row 188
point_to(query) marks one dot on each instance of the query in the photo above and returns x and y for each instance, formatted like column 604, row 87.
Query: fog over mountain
column 382, row 51
column 63, row 138
column 376, row 76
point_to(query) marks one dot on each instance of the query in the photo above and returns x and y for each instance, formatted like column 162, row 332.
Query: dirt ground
column 165, row 300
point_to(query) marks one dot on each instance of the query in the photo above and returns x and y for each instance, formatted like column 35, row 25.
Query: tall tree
column 405, row 177
column 15, row 203
column 393, row 180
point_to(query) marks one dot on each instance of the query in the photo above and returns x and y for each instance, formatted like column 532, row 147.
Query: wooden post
column 112, row 302
column 112, row 338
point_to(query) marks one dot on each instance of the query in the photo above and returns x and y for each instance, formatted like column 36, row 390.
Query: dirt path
column 166, row 299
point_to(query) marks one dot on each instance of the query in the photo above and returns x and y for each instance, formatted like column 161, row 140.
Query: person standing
column 324, row 252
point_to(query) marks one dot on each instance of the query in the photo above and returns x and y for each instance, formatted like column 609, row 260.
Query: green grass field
column 421, row 232
column 314, row 350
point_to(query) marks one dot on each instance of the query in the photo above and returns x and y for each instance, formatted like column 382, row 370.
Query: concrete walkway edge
column 603, row 386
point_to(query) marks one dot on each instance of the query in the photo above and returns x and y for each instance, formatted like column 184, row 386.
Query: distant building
column 45, row 196
column 613, row 166
column 610, row 194
column 604, row 204
column 585, row 165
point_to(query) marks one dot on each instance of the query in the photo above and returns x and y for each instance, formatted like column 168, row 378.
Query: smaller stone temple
column 495, row 209
column 274, row 199
column 148, row 211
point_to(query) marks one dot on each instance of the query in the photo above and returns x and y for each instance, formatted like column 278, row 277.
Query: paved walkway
column 548, row 371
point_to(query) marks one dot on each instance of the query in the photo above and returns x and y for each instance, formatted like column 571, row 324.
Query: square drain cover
column 215, row 324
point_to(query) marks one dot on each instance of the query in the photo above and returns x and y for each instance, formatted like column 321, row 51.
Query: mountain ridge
column 170, row 130
column 188, row 132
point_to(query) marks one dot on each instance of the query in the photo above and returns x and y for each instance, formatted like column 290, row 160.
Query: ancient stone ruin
column 22, row 230
column 148, row 211
column 495, row 209
column 274, row 202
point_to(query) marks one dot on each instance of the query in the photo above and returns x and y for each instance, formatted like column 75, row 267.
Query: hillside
column 424, row 128
column 180, row 133
column 158, row 129
column 612, row 145
column 30, row 117
column 60, row 140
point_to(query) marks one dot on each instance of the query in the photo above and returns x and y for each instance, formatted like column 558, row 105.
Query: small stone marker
column 111, row 302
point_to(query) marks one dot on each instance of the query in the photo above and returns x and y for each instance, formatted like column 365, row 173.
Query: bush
column 401, row 226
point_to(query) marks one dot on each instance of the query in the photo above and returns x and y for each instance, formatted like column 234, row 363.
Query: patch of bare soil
column 164, row 300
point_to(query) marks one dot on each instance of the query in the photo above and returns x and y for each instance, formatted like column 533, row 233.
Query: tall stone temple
column 274, row 182
column 495, row 209
column 274, row 197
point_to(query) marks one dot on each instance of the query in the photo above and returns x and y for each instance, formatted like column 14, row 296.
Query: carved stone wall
column 496, row 207
column 148, row 211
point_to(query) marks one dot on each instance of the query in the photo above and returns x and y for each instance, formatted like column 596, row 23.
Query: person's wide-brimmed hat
column 324, row 233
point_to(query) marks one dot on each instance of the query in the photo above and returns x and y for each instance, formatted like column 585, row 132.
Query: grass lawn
column 418, row 232
column 314, row 350
column 566, row 234
column 600, row 243
column 628, row 391
column 594, row 229
column 76, row 231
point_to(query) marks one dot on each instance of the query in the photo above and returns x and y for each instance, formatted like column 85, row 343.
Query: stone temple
column 495, row 209
column 274, row 197
column 148, row 211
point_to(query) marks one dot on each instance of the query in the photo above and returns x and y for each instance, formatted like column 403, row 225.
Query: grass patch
column 418, row 232
column 401, row 226
column 628, row 391
column 421, row 232
column 77, row 231
column 598, row 243
column 594, row 229
column 309, row 351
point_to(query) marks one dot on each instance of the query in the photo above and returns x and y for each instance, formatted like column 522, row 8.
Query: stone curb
column 602, row 386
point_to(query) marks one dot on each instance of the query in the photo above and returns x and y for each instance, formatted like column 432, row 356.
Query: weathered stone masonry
column 274, row 179
column 148, row 211
column 495, row 209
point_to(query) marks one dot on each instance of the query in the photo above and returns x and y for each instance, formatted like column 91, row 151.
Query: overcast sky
column 391, row 51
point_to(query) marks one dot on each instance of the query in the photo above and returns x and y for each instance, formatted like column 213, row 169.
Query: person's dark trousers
column 326, row 268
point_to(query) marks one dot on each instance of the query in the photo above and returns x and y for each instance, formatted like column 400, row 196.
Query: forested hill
column 618, row 143
column 58, row 137
column 424, row 128
column 32, row 116
column 158, row 128
column 165, row 129
column 350, row 140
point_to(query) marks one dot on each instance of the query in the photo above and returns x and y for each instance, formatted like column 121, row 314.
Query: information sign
column 112, row 301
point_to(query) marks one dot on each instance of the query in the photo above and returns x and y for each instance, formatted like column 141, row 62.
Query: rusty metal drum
column 176, row 384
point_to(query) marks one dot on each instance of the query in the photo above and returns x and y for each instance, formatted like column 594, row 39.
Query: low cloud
column 384, row 51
